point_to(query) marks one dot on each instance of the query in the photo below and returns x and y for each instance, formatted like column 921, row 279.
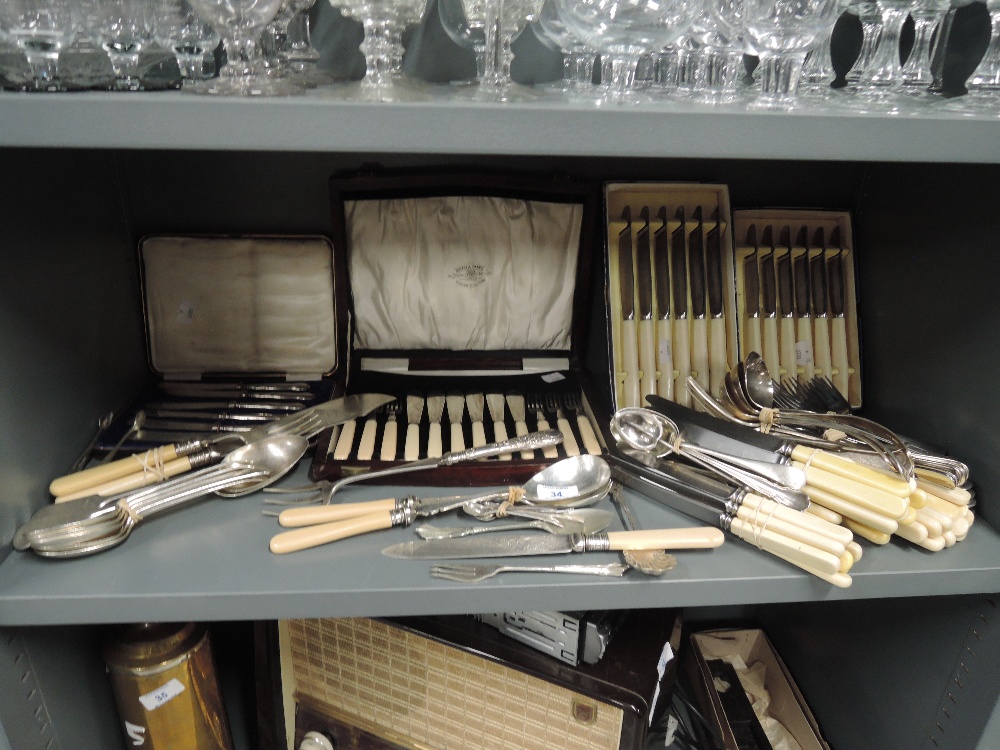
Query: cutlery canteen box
column 670, row 280
column 233, row 323
column 456, row 683
column 766, row 681
column 796, row 295
column 468, row 297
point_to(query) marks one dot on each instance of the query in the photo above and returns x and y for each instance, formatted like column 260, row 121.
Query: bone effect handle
column 838, row 348
column 295, row 517
column 389, row 436
column 754, row 341
column 875, row 521
column 457, row 438
column 366, row 448
column 647, row 359
column 345, row 441
column 590, row 442
column 682, row 361
column 787, row 357
column 549, row 451
column 718, row 364
column 569, row 440
column 699, row 351
column 411, row 447
column 104, row 473
column 434, row 448
column 132, row 481
column 521, row 429
column 804, row 349
column 848, row 469
column 324, row 533
column 821, row 346
column 794, row 532
column 500, row 434
column 698, row 537
column 664, row 360
column 873, row 499
column 630, row 365
column 768, row 507
column 796, row 552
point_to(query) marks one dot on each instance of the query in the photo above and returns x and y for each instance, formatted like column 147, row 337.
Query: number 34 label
column 156, row 698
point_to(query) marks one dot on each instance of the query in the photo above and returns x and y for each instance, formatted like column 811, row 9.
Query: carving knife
column 509, row 544
column 803, row 316
column 664, row 338
column 629, row 341
column 646, row 334
column 751, row 297
column 838, row 320
column 821, row 321
column 772, row 298
column 327, row 414
column 718, row 354
column 699, row 320
column 679, row 284
column 786, row 298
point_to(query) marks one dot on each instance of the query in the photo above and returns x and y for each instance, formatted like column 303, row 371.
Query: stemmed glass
column 624, row 31
column 871, row 26
column 124, row 28
column 239, row 23
column 384, row 22
column 192, row 39
column 41, row 29
column 983, row 97
column 465, row 22
column 292, row 48
column 781, row 33
column 503, row 20
column 719, row 68
column 578, row 58
column 927, row 16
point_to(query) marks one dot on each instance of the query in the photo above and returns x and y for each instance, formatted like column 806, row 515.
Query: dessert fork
column 569, row 439
column 590, row 441
column 476, row 573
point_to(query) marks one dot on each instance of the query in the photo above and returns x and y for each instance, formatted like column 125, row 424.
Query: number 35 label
column 156, row 698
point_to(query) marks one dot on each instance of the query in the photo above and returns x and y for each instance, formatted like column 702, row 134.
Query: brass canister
column 164, row 681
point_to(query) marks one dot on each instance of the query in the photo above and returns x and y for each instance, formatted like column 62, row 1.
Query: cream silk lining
column 462, row 273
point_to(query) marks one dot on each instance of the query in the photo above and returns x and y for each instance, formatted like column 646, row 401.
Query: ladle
column 574, row 481
column 574, row 521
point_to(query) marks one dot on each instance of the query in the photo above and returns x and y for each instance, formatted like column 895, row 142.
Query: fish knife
column 664, row 338
column 509, row 544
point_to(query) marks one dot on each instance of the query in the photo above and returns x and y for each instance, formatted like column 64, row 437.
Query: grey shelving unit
column 904, row 659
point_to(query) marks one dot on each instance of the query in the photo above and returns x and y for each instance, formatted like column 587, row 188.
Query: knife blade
column 646, row 333
column 751, row 295
column 680, row 334
column 518, row 545
column 821, row 320
column 771, row 352
column 838, row 321
column 194, row 406
column 803, row 313
column 718, row 354
column 699, row 321
column 209, row 416
column 211, row 390
column 629, row 343
column 664, row 338
column 786, row 300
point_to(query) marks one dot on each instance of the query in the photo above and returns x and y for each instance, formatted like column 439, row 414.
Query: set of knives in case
column 671, row 280
column 797, row 296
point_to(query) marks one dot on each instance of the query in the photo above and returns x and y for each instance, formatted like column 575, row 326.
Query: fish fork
column 554, row 405
column 476, row 573
column 535, row 405
column 590, row 441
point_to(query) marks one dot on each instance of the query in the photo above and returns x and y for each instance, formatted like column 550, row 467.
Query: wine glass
column 718, row 30
column 871, row 26
column 384, row 22
column 578, row 58
column 193, row 40
column 625, row 30
column 781, row 33
column 465, row 22
column 239, row 24
column 123, row 28
column 502, row 21
column 41, row 29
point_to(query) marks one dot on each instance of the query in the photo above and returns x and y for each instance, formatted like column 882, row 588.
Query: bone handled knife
column 820, row 308
column 681, row 331
column 699, row 308
column 752, row 340
column 366, row 445
column 455, row 405
column 475, row 402
column 497, row 406
column 803, row 308
column 414, row 415
column 435, row 411
column 664, row 337
column 838, row 320
column 786, row 299
column 718, row 351
column 770, row 281
column 518, row 412
column 645, row 324
column 629, row 335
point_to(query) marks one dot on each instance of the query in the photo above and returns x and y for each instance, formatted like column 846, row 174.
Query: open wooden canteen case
column 906, row 658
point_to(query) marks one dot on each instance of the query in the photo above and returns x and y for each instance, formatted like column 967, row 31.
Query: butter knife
column 664, row 337
column 646, row 334
column 751, row 296
column 681, row 334
column 838, row 319
column 629, row 341
column 699, row 319
column 820, row 318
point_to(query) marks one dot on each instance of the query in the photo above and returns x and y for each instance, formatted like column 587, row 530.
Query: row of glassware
column 646, row 50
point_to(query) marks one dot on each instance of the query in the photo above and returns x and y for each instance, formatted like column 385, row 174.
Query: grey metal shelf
column 211, row 562
column 445, row 124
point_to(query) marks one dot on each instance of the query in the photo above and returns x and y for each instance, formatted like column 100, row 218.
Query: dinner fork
column 590, row 441
column 535, row 404
column 476, row 573
column 569, row 439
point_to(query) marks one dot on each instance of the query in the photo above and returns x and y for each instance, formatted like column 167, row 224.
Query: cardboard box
column 751, row 647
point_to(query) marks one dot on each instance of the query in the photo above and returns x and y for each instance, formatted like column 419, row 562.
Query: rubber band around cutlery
column 129, row 510
column 760, row 525
column 768, row 418
column 153, row 467
column 514, row 496
column 833, row 435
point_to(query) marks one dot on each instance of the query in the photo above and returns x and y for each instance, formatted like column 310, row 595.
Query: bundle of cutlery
column 795, row 288
column 671, row 289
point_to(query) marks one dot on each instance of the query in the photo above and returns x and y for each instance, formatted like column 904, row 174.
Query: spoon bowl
column 570, row 483
column 277, row 455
